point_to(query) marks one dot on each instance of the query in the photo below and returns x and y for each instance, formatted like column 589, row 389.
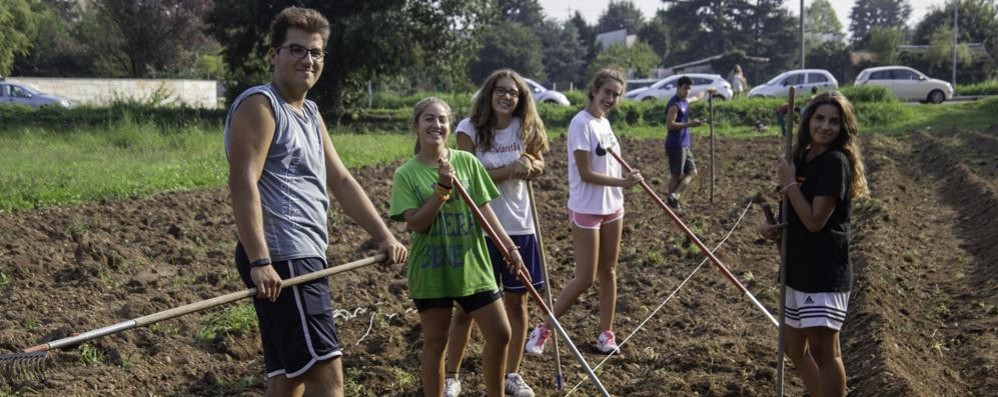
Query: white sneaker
column 452, row 387
column 538, row 337
column 607, row 342
column 516, row 387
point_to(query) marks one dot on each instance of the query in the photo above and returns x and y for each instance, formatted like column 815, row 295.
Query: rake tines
column 22, row 367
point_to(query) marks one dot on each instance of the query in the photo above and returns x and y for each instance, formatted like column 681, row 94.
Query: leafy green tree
column 59, row 52
column 820, row 20
column 564, row 57
column 832, row 56
column 587, row 37
column 868, row 14
column 637, row 59
column 508, row 45
column 441, row 35
column 528, row 13
column 147, row 38
column 658, row 35
column 978, row 22
column 18, row 24
column 940, row 51
column 772, row 33
column 621, row 14
column 884, row 42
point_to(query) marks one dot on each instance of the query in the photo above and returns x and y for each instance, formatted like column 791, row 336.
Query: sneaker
column 452, row 387
column 607, row 342
column 538, row 337
column 516, row 387
column 672, row 201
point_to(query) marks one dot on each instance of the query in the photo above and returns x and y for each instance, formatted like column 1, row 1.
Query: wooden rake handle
column 198, row 306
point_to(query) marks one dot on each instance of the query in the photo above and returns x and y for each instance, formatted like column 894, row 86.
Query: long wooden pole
column 710, row 124
column 784, row 210
column 547, row 280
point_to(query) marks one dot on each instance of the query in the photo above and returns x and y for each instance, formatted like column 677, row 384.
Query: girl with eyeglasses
column 595, row 209
column 505, row 132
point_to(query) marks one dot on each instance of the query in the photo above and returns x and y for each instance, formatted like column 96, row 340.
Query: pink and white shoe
column 538, row 337
column 607, row 343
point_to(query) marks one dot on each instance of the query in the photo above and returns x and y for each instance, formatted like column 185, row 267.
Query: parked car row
column 902, row 81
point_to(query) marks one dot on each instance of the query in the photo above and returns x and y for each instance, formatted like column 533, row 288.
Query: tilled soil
column 922, row 322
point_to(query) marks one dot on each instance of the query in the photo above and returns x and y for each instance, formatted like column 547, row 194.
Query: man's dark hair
column 685, row 80
column 305, row 19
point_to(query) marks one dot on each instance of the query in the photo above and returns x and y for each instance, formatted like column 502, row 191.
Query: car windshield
column 776, row 79
column 663, row 83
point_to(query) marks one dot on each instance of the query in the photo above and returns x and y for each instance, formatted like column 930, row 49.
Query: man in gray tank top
column 281, row 161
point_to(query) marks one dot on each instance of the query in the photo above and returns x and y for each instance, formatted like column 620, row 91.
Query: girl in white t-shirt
column 595, row 208
column 507, row 135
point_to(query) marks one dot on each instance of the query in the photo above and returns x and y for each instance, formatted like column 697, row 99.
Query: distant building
column 612, row 37
column 704, row 65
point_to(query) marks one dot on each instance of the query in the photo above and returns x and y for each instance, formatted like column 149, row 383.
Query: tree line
column 408, row 45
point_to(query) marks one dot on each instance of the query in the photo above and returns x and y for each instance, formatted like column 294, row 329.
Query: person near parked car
column 821, row 182
column 450, row 259
column 595, row 209
column 505, row 132
column 738, row 82
column 682, row 166
column 281, row 162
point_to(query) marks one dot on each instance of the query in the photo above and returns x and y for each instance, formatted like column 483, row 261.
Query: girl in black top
column 826, row 175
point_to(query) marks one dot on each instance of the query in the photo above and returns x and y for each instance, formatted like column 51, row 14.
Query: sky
column 591, row 9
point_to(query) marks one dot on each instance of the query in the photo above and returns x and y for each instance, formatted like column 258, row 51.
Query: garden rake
column 696, row 240
column 29, row 364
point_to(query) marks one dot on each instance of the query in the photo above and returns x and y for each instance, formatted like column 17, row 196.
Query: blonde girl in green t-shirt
column 448, row 259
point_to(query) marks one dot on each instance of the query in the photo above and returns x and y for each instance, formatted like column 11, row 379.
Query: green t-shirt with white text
column 450, row 259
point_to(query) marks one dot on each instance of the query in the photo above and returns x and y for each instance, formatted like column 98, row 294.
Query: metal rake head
column 22, row 367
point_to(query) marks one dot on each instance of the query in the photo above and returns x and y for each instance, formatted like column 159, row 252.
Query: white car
column 906, row 83
column 544, row 95
column 20, row 94
column 666, row 88
column 541, row 94
column 802, row 79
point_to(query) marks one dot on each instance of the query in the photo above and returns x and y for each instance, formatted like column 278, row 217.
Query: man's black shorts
column 297, row 330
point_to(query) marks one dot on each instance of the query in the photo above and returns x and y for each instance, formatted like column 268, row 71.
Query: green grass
column 233, row 320
column 989, row 87
column 127, row 159
column 43, row 168
column 976, row 115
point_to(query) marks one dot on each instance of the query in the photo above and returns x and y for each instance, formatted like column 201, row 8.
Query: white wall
column 193, row 93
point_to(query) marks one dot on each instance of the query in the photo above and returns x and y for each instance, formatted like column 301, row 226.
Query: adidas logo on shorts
column 808, row 300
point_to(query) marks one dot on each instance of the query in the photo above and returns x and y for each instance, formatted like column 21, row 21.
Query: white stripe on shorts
column 816, row 309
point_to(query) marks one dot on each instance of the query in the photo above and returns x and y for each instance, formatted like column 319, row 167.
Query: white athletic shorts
column 816, row 309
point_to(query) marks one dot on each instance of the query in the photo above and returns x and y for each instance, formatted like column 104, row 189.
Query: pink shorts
column 590, row 221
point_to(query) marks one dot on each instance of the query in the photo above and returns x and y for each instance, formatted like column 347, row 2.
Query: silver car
column 803, row 80
column 20, row 94
column 544, row 95
column 666, row 88
column 541, row 94
column 906, row 83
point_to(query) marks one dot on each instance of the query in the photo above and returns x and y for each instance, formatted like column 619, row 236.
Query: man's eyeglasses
column 297, row 51
column 501, row 91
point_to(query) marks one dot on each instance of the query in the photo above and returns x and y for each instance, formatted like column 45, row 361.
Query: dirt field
column 922, row 321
